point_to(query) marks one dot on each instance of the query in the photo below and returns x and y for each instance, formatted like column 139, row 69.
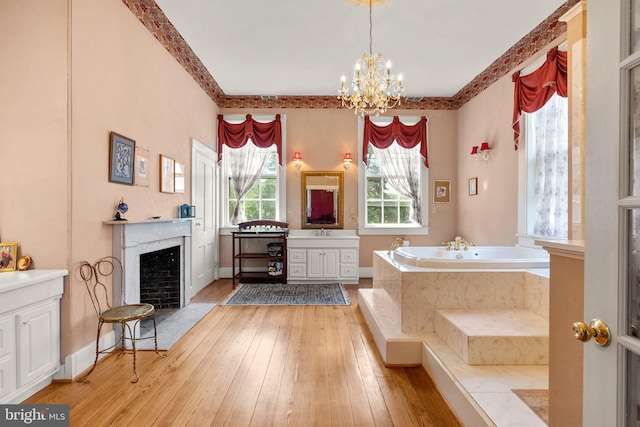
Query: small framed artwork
column 441, row 191
column 473, row 186
column 121, row 159
column 179, row 177
column 167, row 173
column 8, row 255
column 142, row 167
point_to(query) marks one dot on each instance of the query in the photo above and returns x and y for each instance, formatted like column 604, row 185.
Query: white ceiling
column 303, row 47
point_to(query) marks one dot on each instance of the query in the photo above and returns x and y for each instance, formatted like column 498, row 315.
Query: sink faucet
column 322, row 231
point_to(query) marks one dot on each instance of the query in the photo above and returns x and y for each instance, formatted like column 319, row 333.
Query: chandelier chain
column 373, row 88
column 370, row 30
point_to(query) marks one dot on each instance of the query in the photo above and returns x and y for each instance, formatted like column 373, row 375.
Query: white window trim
column 410, row 230
column 282, row 172
column 525, row 239
column 524, row 190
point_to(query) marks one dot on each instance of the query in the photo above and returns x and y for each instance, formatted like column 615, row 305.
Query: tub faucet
column 395, row 245
column 456, row 243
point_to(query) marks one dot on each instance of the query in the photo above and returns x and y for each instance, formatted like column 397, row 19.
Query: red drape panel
column 532, row 91
column 407, row 136
column 263, row 135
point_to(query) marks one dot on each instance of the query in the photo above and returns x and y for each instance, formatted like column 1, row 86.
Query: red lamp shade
column 474, row 149
column 484, row 146
column 347, row 157
column 297, row 156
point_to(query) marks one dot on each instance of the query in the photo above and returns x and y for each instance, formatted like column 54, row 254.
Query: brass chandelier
column 371, row 92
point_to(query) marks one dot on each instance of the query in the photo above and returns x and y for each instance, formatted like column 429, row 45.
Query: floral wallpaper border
column 156, row 22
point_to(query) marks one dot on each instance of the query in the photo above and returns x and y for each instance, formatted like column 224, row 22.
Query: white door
column 611, row 383
column 204, row 236
column 331, row 263
column 315, row 263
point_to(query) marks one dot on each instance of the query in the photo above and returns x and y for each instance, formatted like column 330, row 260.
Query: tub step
column 495, row 337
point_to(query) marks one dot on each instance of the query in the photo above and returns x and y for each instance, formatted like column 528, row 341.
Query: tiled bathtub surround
column 416, row 293
column 488, row 313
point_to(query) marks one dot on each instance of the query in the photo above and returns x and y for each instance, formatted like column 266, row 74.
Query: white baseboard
column 81, row 360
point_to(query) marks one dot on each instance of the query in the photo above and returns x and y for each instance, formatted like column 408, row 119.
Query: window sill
column 385, row 231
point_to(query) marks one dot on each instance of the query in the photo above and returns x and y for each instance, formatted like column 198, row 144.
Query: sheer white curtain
column 548, row 141
column 245, row 166
column 401, row 169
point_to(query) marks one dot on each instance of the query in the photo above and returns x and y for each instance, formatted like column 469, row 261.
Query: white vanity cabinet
column 332, row 258
column 29, row 331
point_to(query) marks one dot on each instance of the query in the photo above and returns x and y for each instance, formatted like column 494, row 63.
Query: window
column 385, row 206
column 261, row 200
column 392, row 186
column 547, row 170
column 255, row 173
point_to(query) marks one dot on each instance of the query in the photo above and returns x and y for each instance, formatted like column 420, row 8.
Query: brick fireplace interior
column 160, row 278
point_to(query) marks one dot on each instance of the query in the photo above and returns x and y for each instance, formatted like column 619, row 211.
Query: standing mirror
column 322, row 199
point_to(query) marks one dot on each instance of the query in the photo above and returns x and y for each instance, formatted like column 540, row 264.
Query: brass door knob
column 596, row 329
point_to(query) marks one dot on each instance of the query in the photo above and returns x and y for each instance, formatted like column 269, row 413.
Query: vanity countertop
column 328, row 234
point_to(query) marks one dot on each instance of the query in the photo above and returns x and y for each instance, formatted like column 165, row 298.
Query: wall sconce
column 298, row 159
column 347, row 161
column 481, row 153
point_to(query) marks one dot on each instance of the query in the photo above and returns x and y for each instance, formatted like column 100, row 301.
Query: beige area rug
column 537, row 400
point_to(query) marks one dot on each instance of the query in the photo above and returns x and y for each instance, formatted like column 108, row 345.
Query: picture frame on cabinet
column 8, row 256
column 167, row 172
column 142, row 167
column 122, row 152
column 441, row 191
column 473, row 186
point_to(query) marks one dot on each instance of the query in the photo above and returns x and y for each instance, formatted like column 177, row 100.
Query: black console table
column 260, row 252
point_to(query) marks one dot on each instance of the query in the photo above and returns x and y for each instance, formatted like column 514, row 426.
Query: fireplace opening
column 160, row 278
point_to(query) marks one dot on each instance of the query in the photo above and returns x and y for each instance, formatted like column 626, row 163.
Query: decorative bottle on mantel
column 121, row 210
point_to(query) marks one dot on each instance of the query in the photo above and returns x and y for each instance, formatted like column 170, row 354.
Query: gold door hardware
column 595, row 329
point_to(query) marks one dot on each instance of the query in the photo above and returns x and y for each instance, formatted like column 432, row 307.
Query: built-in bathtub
column 445, row 310
column 475, row 257
column 411, row 294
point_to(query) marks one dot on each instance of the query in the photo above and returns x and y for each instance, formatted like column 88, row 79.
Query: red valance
column 532, row 91
column 407, row 136
column 263, row 135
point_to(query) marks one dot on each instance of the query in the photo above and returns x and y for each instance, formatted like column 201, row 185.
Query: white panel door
column 611, row 383
column 204, row 239
column 315, row 263
column 331, row 263
column 38, row 341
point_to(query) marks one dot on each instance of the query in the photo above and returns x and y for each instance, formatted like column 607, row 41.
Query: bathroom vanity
column 323, row 256
column 29, row 331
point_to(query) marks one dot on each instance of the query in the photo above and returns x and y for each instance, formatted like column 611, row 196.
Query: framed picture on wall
column 179, row 177
column 142, row 167
column 473, row 186
column 441, row 191
column 167, row 174
column 121, row 159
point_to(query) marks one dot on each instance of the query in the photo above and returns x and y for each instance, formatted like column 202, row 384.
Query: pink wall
column 491, row 217
column 120, row 79
column 75, row 78
column 323, row 136
column 34, row 130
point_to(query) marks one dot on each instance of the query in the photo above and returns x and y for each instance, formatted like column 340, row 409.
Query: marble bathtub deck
column 480, row 395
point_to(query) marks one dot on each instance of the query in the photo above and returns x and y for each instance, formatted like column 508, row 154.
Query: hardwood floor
column 258, row 366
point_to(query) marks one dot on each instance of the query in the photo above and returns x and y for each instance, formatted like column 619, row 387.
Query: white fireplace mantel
column 134, row 238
